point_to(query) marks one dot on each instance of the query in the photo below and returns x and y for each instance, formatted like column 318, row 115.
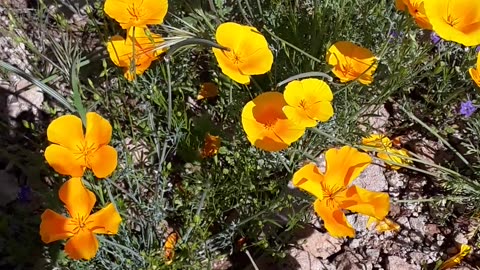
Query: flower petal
column 55, row 227
column 344, row 165
column 370, row 203
column 288, row 131
column 310, row 179
column 78, row 199
column 66, row 131
column 334, row 219
column 63, row 161
column 119, row 52
column 299, row 116
column 103, row 161
column 83, row 245
column 228, row 68
column 105, row 221
column 321, row 111
column 475, row 75
column 136, row 12
column 98, row 131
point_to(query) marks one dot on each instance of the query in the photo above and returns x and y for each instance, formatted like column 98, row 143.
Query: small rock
column 397, row 263
column 461, row 239
column 321, row 245
column 373, row 255
column 403, row 221
column 418, row 224
column 300, row 259
column 358, row 222
column 352, row 261
column 372, row 178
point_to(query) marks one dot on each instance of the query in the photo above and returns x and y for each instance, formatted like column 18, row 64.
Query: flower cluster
column 453, row 20
column 140, row 47
column 334, row 190
column 393, row 157
column 71, row 153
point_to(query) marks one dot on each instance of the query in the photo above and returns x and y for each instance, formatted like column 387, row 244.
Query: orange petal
column 288, row 131
column 334, row 219
column 475, row 76
column 258, row 62
column 370, row 203
column 399, row 5
column 344, row 165
column 136, row 12
column 55, row 227
column 120, row 53
column 63, row 161
column 78, row 200
column 379, row 141
column 309, row 179
column 66, row 131
column 269, row 142
column 457, row 21
column 98, row 131
column 103, row 161
column 83, row 245
column 105, row 221
column 207, row 90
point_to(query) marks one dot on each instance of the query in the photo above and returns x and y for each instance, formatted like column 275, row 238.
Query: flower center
column 233, row 56
column 135, row 12
column 80, row 223
column 84, row 152
column 330, row 194
column 269, row 124
column 452, row 21
column 303, row 104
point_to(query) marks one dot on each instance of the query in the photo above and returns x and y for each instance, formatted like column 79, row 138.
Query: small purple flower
column 434, row 38
column 477, row 50
column 395, row 35
column 25, row 194
column 467, row 108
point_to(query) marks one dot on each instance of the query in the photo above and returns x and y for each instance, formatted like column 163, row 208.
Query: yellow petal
column 83, row 245
column 457, row 259
column 55, row 227
column 137, row 13
column 343, row 166
column 385, row 225
column 475, row 76
column 103, row 161
column 98, row 131
column 66, row 131
column 228, row 68
column 379, row 141
column 334, row 219
column 63, row 161
column 455, row 20
column 78, row 200
column 399, row 5
column 105, row 221
column 370, row 203
column 299, row 116
column 119, row 51
column 393, row 158
column 310, row 179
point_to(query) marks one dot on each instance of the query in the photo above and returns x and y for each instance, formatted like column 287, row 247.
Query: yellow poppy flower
column 211, row 146
column 455, row 20
column 134, row 56
column 248, row 52
column 72, row 151
column 385, row 225
column 334, row 190
column 169, row 247
column 457, row 259
column 378, row 141
column 350, row 62
column 207, row 90
column 266, row 125
column 417, row 10
column 390, row 159
column 138, row 13
column 308, row 101
column 81, row 227
column 475, row 73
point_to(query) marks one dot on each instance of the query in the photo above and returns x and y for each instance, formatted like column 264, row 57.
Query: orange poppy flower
column 139, row 13
column 81, row 227
column 457, row 258
column 135, row 59
column 392, row 157
column 351, row 62
column 248, row 52
column 475, row 73
column 266, row 124
column 334, row 190
column 72, row 151
column 455, row 20
column 211, row 146
column 308, row 101
column 417, row 10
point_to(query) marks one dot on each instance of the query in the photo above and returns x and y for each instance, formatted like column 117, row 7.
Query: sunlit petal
column 67, row 131
column 310, row 179
column 370, row 203
column 334, row 219
column 83, row 245
column 55, row 227
column 344, row 165
column 78, row 199
column 98, row 131
column 63, row 161
column 103, row 161
column 105, row 221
